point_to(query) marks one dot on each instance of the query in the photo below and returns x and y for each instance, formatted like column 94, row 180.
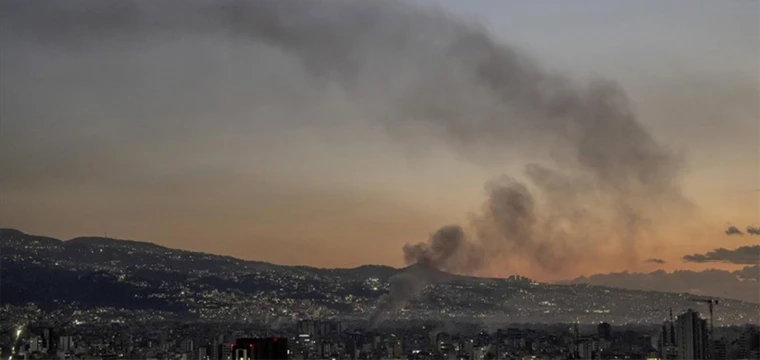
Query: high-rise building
column 215, row 352
column 604, row 331
column 187, row 346
column 202, row 353
column 48, row 337
column 65, row 343
column 576, row 332
column 353, row 345
column 327, row 349
column 225, row 351
column 585, row 350
column 691, row 336
column 667, row 341
column 668, row 333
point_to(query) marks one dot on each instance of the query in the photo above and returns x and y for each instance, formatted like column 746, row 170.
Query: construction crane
column 711, row 302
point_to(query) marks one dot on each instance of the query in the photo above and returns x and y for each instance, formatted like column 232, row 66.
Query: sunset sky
column 174, row 139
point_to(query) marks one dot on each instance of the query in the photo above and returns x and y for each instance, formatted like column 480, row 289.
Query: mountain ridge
column 90, row 274
column 592, row 279
column 99, row 240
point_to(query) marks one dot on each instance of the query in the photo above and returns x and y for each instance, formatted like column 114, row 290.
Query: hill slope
column 91, row 273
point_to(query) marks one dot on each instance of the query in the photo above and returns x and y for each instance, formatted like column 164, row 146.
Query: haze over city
column 623, row 136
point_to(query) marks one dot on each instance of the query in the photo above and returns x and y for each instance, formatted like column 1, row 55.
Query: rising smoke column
column 605, row 183
column 606, row 173
column 600, row 189
column 408, row 65
column 448, row 250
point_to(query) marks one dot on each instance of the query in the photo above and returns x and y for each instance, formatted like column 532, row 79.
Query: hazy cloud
column 733, row 230
column 753, row 230
column 741, row 255
column 749, row 273
column 655, row 261
column 740, row 285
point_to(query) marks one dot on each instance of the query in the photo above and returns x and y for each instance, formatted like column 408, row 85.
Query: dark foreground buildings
column 604, row 331
column 681, row 338
column 260, row 348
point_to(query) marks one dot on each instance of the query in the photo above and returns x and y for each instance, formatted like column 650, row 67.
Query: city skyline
column 171, row 138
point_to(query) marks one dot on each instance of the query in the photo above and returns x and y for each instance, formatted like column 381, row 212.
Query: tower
column 691, row 336
column 604, row 331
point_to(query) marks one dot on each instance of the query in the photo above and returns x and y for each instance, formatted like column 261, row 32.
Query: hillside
column 85, row 274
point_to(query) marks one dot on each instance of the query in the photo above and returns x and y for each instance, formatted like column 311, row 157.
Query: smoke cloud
column 404, row 287
column 753, row 230
column 597, row 183
column 733, row 230
column 741, row 255
column 655, row 261
column 448, row 250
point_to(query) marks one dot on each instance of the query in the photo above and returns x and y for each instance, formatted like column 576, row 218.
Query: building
column 319, row 327
column 748, row 344
column 225, row 352
column 604, row 331
column 260, row 348
column 667, row 342
column 585, row 349
column 307, row 327
column 668, row 333
column 48, row 338
column 201, row 353
column 215, row 351
column 65, row 343
column 719, row 350
column 36, row 344
column 187, row 346
column 327, row 349
column 691, row 336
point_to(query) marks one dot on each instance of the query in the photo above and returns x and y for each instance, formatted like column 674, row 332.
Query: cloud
column 741, row 285
column 749, row 273
column 753, row 230
column 655, row 261
column 742, row 255
column 733, row 230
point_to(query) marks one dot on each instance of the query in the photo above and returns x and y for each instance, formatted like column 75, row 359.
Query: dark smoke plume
column 404, row 287
column 733, row 230
column 655, row 261
column 753, row 230
column 448, row 250
column 596, row 183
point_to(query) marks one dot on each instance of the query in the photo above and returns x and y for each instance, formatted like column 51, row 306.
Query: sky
column 210, row 143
